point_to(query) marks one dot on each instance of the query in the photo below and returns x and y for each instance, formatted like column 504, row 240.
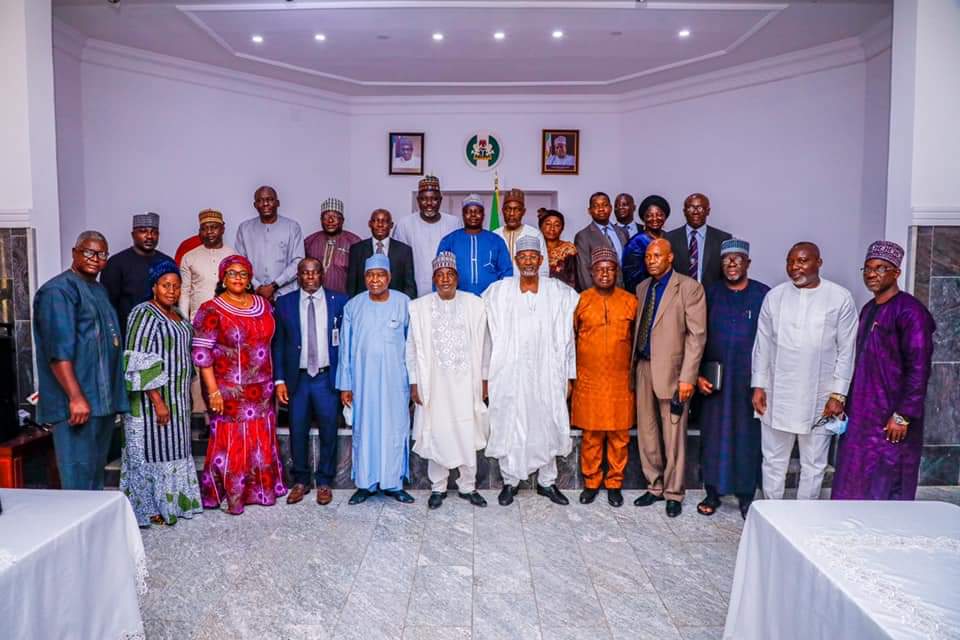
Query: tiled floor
column 386, row 570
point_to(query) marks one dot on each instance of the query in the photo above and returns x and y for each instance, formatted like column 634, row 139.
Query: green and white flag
column 483, row 150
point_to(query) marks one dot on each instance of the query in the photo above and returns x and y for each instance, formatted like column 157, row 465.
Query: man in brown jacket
column 668, row 343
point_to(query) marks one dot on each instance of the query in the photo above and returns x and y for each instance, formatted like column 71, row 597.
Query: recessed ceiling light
column 499, row 35
column 438, row 37
column 319, row 37
column 558, row 34
column 684, row 33
column 257, row 39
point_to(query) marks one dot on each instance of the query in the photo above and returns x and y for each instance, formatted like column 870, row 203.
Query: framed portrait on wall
column 406, row 153
column 560, row 151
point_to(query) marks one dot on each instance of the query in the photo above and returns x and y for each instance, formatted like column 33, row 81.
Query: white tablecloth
column 847, row 570
column 71, row 566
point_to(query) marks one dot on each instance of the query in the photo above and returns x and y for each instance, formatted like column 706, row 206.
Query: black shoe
column 588, row 495
column 553, row 493
column 506, row 495
column 674, row 507
column 646, row 500
column 745, row 506
column 359, row 496
column 436, row 499
column 615, row 497
column 473, row 498
column 399, row 495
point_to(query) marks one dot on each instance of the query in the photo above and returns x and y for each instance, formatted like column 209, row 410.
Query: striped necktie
column 694, row 256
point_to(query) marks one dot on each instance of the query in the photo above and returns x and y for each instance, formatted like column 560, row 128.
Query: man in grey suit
column 599, row 233
column 696, row 245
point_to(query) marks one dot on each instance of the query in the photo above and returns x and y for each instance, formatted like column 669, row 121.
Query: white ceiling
column 377, row 47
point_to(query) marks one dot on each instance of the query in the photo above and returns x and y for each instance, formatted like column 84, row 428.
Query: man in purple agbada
column 879, row 456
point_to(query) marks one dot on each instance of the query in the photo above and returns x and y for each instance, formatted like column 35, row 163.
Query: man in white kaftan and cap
column 445, row 364
column 803, row 359
column 532, row 364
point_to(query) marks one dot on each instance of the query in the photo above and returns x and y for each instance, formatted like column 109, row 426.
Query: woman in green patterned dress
column 157, row 473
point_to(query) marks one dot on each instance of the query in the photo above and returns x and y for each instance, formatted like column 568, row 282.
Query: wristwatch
column 900, row 420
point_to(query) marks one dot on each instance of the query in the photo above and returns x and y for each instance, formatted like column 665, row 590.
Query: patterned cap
column 472, row 199
column 445, row 260
column 160, row 269
column 210, row 215
column 734, row 245
column 377, row 261
column 603, row 254
column 885, row 250
column 527, row 243
column 514, row 194
column 149, row 220
column 429, row 183
column 332, row 204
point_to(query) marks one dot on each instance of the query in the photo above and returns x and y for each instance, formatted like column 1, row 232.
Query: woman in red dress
column 231, row 347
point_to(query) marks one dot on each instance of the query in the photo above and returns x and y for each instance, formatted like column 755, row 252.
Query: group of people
column 499, row 341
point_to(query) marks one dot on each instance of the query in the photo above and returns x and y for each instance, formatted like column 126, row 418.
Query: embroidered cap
column 149, row 220
column 445, row 260
column 734, row 245
column 603, row 254
column 210, row 215
column 429, row 183
column 527, row 243
column 332, row 204
column 514, row 194
column 474, row 200
column 377, row 261
column 885, row 250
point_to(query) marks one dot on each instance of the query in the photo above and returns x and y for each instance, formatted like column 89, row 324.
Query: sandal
column 708, row 506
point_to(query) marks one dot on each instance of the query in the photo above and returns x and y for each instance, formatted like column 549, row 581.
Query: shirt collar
column 663, row 279
column 701, row 232
column 317, row 295
column 385, row 241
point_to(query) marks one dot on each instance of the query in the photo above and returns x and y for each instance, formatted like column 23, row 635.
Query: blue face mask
column 834, row 425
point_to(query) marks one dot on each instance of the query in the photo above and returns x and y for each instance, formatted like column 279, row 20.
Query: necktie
column 646, row 320
column 380, row 247
column 694, row 256
column 613, row 245
column 313, row 351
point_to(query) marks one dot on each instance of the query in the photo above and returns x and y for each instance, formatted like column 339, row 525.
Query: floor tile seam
column 353, row 581
column 596, row 593
column 533, row 586
column 413, row 586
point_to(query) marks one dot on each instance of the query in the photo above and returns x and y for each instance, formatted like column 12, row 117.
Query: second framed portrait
column 560, row 149
column 406, row 153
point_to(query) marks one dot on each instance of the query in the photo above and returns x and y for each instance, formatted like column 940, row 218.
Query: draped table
column 844, row 569
column 71, row 565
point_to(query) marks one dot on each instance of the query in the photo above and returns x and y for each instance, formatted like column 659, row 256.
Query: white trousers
column 546, row 475
column 778, row 445
column 438, row 474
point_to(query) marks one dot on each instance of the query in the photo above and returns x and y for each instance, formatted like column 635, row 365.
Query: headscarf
column 234, row 259
column 160, row 269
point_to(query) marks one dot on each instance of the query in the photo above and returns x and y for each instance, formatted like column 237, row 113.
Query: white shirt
column 424, row 238
column 701, row 241
column 386, row 245
column 199, row 275
column 320, row 307
column 803, row 352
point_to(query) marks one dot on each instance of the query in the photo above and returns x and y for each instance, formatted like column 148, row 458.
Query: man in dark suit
column 599, row 233
column 306, row 346
column 696, row 245
column 399, row 254
column 624, row 210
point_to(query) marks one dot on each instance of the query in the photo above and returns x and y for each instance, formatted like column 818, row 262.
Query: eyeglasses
column 90, row 253
column 734, row 258
column 237, row 274
column 880, row 271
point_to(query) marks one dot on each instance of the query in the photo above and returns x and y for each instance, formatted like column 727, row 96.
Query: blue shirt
column 482, row 259
column 657, row 287
column 633, row 261
column 73, row 320
column 610, row 232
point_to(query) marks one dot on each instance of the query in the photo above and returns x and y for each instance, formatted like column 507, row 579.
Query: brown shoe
column 324, row 495
column 297, row 492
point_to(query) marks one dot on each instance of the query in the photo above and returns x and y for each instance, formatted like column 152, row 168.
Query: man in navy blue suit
column 305, row 350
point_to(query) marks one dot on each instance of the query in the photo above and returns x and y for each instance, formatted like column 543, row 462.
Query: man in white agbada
column 803, row 359
column 445, row 363
column 532, row 364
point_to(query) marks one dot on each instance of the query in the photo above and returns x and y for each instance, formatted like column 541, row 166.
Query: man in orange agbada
column 603, row 402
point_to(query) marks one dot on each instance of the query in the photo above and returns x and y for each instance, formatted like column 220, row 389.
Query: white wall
column 781, row 162
column 785, row 160
column 175, row 147
column 517, row 123
column 70, row 159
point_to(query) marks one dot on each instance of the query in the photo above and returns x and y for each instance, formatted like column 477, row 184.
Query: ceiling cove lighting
column 257, row 39
column 684, row 33
column 499, row 35
column 319, row 37
column 558, row 34
column 438, row 37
